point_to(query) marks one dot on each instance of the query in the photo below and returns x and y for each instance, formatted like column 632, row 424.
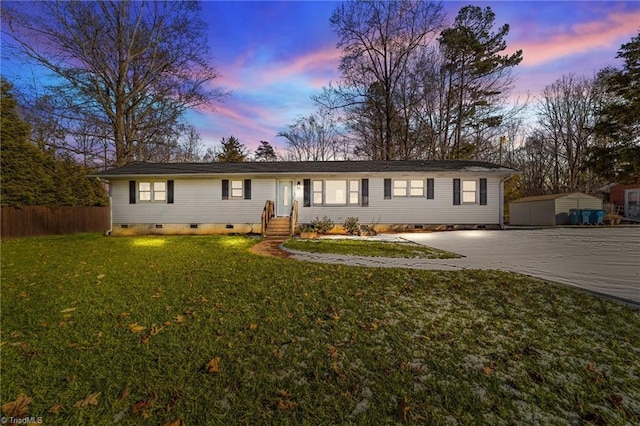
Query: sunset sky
column 273, row 56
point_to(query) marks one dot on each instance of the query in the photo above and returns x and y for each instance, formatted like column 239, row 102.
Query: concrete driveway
column 603, row 260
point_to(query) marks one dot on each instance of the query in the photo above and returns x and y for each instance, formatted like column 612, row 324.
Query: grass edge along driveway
column 155, row 330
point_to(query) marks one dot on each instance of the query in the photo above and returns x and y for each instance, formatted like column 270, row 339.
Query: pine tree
column 265, row 152
column 232, row 151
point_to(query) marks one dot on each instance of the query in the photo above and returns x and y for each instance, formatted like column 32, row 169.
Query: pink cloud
column 582, row 38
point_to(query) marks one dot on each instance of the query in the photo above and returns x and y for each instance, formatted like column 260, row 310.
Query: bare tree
column 313, row 138
column 128, row 68
column 380, row 41
column 566, row 115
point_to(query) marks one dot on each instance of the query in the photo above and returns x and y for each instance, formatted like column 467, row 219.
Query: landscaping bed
column 158, row 330
column 359, row 247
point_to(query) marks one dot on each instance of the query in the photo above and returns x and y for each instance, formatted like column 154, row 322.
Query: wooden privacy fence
column 31, row 221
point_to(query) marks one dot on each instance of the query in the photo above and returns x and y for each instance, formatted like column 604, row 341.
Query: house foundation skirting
column 123, row 229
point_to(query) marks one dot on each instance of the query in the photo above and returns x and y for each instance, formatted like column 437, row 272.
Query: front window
column 399, row 188
column 159, row 191
column 152, row 191
column 237, row 189
column 317, row 192
column 417, row 188
column 469, row 191
column 335, row 192
column 354, row 191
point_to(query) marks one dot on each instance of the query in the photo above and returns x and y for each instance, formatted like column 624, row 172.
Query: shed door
column 284, row 198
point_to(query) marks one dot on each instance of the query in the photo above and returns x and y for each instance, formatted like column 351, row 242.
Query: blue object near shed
column 585, row 217
column 597, row 217
column 574, row 214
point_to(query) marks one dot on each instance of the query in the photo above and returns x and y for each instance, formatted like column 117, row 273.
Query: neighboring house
column 551, row 209
column 624, row 199
column 197, row 198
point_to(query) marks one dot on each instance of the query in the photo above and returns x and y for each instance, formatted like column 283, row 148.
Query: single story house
column 551, row 209
column 200, row 198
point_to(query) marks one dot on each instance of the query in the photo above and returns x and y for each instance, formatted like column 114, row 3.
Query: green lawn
column 369, row 248
column 200, row 330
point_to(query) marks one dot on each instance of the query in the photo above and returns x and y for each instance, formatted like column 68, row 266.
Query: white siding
column 409, row 210
column 195, row 201
column 200, row 201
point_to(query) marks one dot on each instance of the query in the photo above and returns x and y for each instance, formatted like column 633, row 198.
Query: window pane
column 145, row 186
column 468, row 197
column 469, row 185
column 236, row 184
column 317, row 198
column 399, row 188
column 336, row 191
column 159, row 186
column 236, row 192
column 353, row 198
column 145, row 195
column 417, row 188
column 317, row 186
column 159, row 196
column 354, row 186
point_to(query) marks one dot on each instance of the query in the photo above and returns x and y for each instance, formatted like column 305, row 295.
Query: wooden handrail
column 267, row 214
column 293, row 218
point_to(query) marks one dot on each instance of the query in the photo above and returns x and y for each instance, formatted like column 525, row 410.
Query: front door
column 284, row 198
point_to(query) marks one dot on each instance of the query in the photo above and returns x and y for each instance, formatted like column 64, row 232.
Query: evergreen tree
column 616, row 158
column 265, row 152
column 232, row 151
column 31, row 176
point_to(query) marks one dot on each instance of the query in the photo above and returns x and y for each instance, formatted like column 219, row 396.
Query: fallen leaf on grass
column 155, row 330
column 64, row 311
column 403, row 409
column 487, row 370
column 177, row 422
column 91, row 399
column 213, row 366
column 124, row 394
column 179, row 319
column 56, row 409
column 18, row 408
column 333, row 352
column 253, row 326
column 135, row 328
column 123, row 315
column 285, row 405
column 616, row 401
column 101, row 276
column 142, row 407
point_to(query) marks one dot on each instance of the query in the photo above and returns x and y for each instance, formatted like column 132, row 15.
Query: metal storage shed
column 550, row 209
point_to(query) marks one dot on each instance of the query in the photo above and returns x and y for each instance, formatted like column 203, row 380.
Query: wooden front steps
column 278, row 229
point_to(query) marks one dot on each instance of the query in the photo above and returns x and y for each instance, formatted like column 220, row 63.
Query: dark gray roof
column 301, row 167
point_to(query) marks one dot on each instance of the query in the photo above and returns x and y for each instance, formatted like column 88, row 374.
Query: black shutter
column 170, row 192
column 456, row 192
column 132, row 192
column 225, row 189
column 483, row 192
column 430, row 189
column 306, row 202
column 365, row 192
column 247, row 189
column 387, row 189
